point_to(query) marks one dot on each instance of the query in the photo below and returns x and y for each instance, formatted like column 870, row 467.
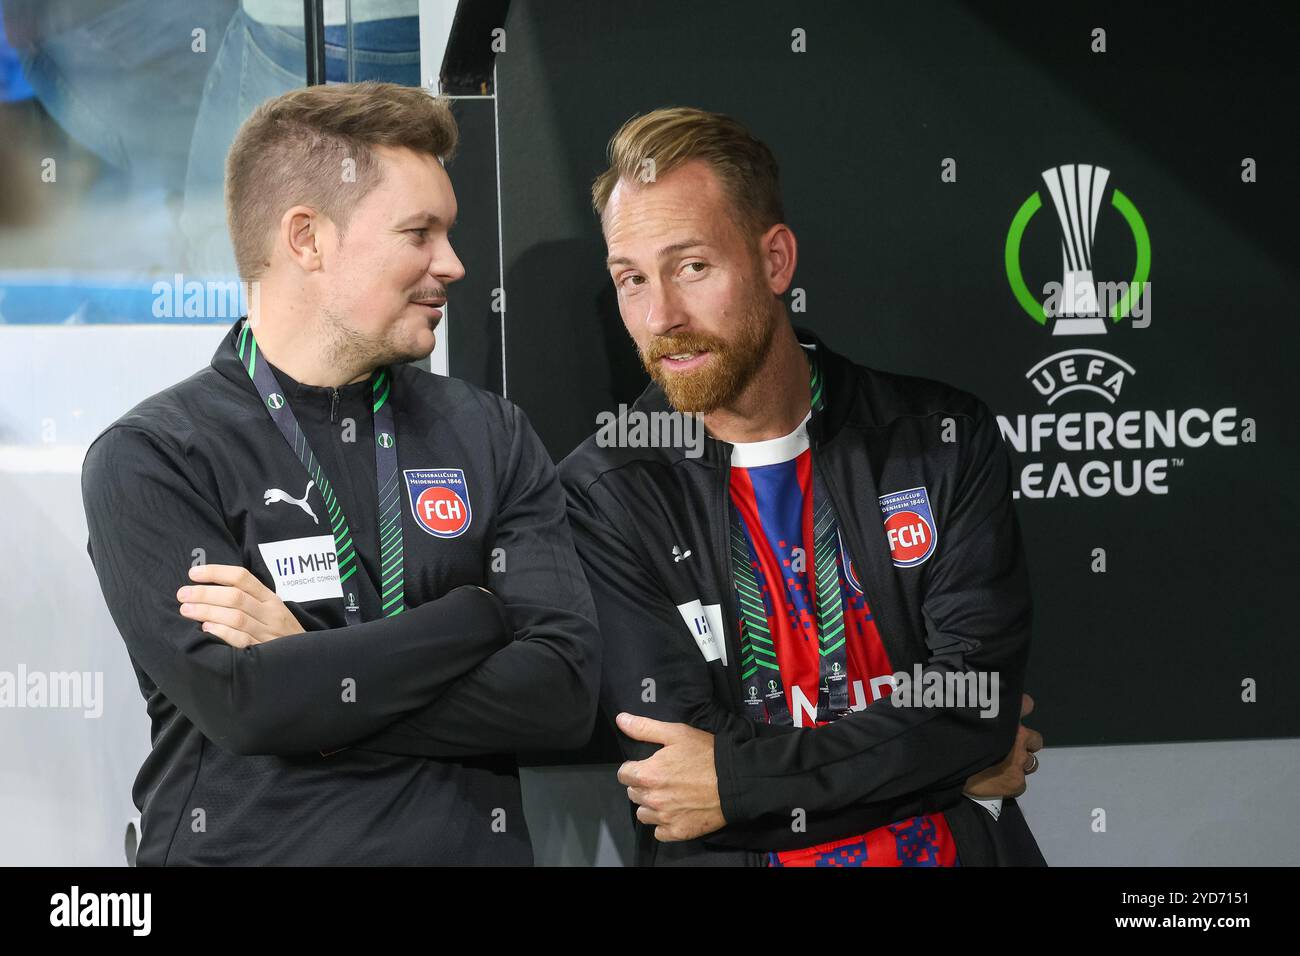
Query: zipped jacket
column 652, row 528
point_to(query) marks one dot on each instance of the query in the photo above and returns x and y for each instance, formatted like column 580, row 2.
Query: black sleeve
column 652, row 667
column 149, row 522
column 976, row 608
column 538, row 692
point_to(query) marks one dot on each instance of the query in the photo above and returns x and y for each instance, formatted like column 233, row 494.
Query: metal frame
column 313, row 24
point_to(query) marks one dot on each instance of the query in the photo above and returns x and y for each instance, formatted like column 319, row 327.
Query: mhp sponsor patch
column 909, row 526
column 439, row 500
column 304, row 569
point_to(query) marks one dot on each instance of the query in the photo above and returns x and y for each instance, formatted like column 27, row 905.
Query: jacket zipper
column 345, row 478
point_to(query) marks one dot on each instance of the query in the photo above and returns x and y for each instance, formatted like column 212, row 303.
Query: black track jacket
column 421, row 766
column 636, row 511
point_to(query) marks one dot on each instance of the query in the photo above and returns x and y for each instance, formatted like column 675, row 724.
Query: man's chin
column 690, row 397
column 423, row 343
column 415, row 349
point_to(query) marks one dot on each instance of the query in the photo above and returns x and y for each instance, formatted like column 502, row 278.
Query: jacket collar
column 227, row 362
column 226, row 358
column 838, row 384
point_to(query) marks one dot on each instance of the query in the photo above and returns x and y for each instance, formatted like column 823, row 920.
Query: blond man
column 763, row 599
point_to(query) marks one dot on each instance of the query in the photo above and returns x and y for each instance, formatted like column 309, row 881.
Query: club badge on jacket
column 910, row 527
column 439, row 500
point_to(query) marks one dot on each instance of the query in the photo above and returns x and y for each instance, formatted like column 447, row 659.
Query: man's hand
column 1007, row 779
column 234, row 606
column 676, row 788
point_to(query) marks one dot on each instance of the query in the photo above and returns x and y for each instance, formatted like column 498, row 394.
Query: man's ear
column 778, row 254
column 301, row 237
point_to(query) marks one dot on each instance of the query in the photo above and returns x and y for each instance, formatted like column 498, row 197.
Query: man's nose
column 664, row 311
column 446, row 266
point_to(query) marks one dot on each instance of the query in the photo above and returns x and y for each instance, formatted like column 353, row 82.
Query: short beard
column 731, row 367
column 346, row 348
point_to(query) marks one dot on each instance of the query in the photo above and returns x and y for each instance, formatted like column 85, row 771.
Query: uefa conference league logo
column 1079, row 308
column 1076, row 193
column 1079, row 305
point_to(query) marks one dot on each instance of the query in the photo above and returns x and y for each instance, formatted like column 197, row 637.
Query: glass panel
column 116, row 281
column 115, row 116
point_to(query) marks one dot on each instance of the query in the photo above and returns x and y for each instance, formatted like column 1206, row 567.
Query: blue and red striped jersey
column 771, row 487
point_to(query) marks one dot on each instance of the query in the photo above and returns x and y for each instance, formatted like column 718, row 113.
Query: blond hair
column 667, row 138
column 295, row 149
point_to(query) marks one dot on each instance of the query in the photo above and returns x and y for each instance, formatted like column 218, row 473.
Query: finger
column 259, row 591
column 1033, row 741
column 630, row 774
column 1015, row 781
column 652, row 817
column 227, row 596
column 1026, row 705
column 232, row 636
column 215, row 574
column 231, row 575
column 1018, row 750
column 666, row 835
column 210, row 594
column 229, row 616
column 1019, row 790
column 646, row 728
column 642, row 796
column 1031, row 764
column 223, row 596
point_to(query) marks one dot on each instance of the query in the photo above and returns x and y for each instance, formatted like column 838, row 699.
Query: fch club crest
column 439, row 500
column 910, row 527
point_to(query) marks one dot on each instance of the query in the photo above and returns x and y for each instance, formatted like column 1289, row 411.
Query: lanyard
column 391, row 557
column 764, row 694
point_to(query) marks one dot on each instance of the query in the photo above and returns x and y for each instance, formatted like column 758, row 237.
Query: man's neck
column 298, row 345
column 776, row 399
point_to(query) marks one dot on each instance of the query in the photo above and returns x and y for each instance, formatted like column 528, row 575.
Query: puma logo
column 275, row 494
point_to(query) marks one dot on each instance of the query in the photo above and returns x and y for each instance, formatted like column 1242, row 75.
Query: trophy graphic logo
column 1076, row 194
column 1077, row 191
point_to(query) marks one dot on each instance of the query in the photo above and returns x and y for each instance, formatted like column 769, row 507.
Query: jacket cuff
column 992, row 804
column 730, row 796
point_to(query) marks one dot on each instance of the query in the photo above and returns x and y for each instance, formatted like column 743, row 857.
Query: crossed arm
column 441, row 679
column 696, row 769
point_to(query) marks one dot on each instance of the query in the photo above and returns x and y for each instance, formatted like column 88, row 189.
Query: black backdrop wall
column 910, row 137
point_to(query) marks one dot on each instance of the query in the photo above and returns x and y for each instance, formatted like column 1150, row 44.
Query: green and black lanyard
column 391, row 557
column 764, row 693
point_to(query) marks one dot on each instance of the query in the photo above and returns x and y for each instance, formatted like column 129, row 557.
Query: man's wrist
column 724, row 766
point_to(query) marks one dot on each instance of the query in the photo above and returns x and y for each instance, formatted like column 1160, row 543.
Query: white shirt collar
column 772, row 451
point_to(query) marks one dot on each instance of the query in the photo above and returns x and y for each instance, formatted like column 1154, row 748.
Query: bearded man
column 763, row 603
